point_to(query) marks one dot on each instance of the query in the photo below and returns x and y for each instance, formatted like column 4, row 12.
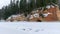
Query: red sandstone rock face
column 58, row 15
column 53, row 16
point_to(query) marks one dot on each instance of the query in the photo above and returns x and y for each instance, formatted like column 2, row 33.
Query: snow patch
column 29, row 28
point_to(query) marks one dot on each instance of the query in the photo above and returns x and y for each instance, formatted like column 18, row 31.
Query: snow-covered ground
column 29, row 28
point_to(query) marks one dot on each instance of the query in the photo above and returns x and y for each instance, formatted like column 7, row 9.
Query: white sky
column 4, row 3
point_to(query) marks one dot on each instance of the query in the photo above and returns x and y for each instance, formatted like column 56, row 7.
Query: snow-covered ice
column 29, row 28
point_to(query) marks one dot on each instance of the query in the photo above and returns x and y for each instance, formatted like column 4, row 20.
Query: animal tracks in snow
column 30, row 30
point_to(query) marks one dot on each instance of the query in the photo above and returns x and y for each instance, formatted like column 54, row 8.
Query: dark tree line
column 22, row 6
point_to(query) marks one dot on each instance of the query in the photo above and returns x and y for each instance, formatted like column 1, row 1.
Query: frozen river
column 29, row 28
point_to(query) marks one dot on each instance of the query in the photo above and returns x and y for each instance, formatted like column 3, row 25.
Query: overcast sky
column 4, row 3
